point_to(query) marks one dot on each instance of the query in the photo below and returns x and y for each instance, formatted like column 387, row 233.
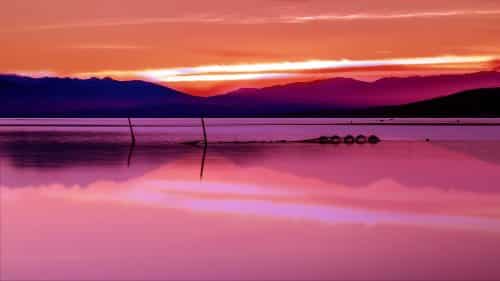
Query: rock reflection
column 39, row 163
column 467, row 166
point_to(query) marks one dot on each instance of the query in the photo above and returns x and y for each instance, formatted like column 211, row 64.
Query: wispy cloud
column 123, row 22
column 275, row 70
column 113, row 47
column 34, row 74
column 289, row 19
column 403, row 15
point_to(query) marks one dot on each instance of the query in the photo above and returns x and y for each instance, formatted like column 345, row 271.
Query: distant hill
column 473, row 103
column 345, row 93
column 66, row 97
column 24, row 96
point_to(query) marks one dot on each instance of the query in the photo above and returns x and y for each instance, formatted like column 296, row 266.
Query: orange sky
column 124, row 38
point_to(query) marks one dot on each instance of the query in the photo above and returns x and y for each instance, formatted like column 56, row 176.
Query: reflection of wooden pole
column 205, row 142
column 131, row 131
column 204, row 131
column 130, row 152
column 203, row 157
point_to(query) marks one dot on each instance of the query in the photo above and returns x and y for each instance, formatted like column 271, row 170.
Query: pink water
column 172, row 130
column 74, row 209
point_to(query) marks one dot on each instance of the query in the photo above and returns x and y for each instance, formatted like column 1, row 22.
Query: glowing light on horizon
column 223, row 77
column 276, row 70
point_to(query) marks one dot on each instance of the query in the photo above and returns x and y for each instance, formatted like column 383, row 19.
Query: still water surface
column 82, row 207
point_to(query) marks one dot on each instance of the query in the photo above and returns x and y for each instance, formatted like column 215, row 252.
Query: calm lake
column 79, row 202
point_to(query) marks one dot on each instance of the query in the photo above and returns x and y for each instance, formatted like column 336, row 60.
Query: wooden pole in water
column 131, row 131
column 204, row 131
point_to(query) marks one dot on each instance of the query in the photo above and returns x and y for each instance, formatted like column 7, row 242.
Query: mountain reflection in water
column 75, row 210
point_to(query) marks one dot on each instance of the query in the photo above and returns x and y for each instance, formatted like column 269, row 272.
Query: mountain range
column 474, row 94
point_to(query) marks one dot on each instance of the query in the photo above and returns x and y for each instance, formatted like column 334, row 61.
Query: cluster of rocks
column 349, row 139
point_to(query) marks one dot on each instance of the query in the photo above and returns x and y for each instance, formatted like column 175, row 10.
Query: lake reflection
column 108, row 211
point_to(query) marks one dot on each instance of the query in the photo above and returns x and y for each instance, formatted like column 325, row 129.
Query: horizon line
column 21, row 75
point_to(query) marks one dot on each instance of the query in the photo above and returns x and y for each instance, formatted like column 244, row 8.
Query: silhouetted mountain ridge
column 26, row 96
column 472, row 103
column 347, row 93
column 69, row 97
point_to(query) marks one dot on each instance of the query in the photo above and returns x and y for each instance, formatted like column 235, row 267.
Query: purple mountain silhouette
column 350, row 93
column 27, row 96
column 65, row 97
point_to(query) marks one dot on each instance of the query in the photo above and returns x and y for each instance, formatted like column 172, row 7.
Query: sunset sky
column 209, row 47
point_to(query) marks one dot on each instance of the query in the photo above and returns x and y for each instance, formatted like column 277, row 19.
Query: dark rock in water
column 373, row 139
column 361, row 139
column 349, row 139
column 336, row 139
column 427, row 140
column 324, row 139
